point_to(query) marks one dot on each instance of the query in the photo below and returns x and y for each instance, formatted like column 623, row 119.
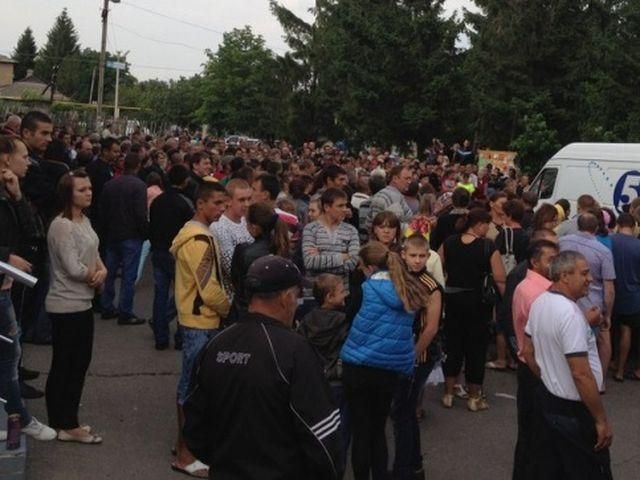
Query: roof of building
column 30, row 87
column 5, row 59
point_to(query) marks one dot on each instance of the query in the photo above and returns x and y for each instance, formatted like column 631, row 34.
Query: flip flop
column 494, row 366
column 85, row 440
column 192, row 469
column 632, row 376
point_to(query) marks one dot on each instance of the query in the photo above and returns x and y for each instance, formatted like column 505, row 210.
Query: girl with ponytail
column 378, row 349
column 271, row 236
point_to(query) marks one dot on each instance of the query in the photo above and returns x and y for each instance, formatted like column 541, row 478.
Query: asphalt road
column 129, row 398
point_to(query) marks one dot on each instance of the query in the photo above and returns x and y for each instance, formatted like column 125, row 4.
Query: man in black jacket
column 259, row 405
column 123, row 219
column 167, row 215
column 100, row 172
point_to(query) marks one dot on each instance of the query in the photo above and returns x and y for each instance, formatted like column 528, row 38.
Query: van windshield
column 544, row 183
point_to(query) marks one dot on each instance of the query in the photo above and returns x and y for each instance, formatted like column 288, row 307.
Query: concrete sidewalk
column 130, row 399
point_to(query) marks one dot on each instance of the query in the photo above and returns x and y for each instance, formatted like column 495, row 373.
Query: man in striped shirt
column 329, row 244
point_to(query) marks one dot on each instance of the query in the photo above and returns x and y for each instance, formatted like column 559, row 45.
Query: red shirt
column 525, row 294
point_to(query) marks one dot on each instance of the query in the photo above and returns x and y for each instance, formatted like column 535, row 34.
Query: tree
column 536, row 143
column 25, row 54
column 76, row 71
column 386, row 72
column 240, row 87
column 173, row 103
column 62, row 41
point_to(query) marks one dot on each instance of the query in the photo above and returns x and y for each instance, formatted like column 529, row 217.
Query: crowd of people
column 315, row 292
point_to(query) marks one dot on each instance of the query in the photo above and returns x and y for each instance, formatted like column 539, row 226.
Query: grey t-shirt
column 73, row 252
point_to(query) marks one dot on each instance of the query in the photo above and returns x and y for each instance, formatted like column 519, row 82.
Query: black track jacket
column 260, row 407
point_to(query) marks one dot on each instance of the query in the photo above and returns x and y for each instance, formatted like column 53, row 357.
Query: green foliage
column 62, row 41
column 536, row 143
column 385, row 72
column 174, row 102
column 241, row 90
column 76, row 71
column 25, row 54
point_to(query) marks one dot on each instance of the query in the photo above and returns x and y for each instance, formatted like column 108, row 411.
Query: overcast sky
column 160, row 47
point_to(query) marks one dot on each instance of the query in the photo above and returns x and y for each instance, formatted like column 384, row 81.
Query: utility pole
column 93, row 81
column 103, row 56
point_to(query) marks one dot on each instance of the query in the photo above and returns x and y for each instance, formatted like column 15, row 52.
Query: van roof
column 600, row 151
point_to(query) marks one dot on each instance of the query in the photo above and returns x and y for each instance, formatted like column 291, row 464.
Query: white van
column 610, row 172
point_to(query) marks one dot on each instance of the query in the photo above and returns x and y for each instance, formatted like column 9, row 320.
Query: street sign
column 116, row 65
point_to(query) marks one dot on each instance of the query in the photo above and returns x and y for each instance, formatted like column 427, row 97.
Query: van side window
column 544, row 184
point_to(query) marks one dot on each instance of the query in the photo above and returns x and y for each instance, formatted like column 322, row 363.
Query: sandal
column 632, row 376
column 195, row 469
column 89, row 439
column 618, row 379
column 495, row 366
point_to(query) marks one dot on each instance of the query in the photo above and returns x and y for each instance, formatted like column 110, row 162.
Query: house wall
column 6, row 74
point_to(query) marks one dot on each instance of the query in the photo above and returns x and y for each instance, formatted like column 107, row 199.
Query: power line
column 95, row 62
column 186, row 22
column 164, row 42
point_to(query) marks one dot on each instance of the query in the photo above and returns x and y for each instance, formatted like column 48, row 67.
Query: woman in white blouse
column 76, row 272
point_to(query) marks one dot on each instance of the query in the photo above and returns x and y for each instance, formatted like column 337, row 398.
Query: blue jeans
column 406, row 431
column 125, row 253
column 164, row 304
column 193, row 341
column 9, row 359
column 146, row 248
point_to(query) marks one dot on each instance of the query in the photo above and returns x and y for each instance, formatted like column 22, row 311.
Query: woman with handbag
column 475, row 275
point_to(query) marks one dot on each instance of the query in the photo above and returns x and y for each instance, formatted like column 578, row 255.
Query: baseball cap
column 271, row 273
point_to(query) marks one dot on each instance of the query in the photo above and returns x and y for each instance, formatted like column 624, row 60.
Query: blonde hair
column 413, row 294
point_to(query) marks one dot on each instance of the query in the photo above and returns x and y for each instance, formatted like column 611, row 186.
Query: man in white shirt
column 231, row 229
column 560, row 348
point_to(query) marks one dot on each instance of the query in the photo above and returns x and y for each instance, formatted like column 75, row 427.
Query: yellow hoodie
column 200, row 298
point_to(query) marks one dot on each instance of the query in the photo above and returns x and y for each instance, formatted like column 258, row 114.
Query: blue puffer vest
column 381, row 335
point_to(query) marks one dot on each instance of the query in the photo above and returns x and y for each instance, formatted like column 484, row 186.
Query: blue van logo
column 627, row 189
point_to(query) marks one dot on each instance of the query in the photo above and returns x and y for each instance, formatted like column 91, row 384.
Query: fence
column 82, row 118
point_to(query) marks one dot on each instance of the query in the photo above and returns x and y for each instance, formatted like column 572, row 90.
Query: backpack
column 508, row 258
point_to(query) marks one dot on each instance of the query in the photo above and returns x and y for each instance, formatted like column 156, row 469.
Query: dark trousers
column 569, row 435
column 525, row 459
column 164, row 304
column 125, row 253
column 72, row 341
column 406, row 431
column 369, row 392
column 466, row 332
column 29, row 305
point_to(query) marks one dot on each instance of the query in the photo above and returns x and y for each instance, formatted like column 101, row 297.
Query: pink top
column 525, row 294
column 152, row 193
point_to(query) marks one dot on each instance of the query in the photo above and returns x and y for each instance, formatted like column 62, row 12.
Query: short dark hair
column 396, row 171
column 107, row 143
column 197, row 158
column 530, row 199
column 206, row 189
column 535, row 250
column 330, row 195
column 178, row 175
column 131, row 162
column 514, row 209
column 588, row 222
column 460, row 197
column 626, row 220
column 269, row 183
column 31, row 119
column 332, row 172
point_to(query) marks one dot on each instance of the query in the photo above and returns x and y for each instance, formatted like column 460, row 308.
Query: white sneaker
column 3, row 435
column 39, row 431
